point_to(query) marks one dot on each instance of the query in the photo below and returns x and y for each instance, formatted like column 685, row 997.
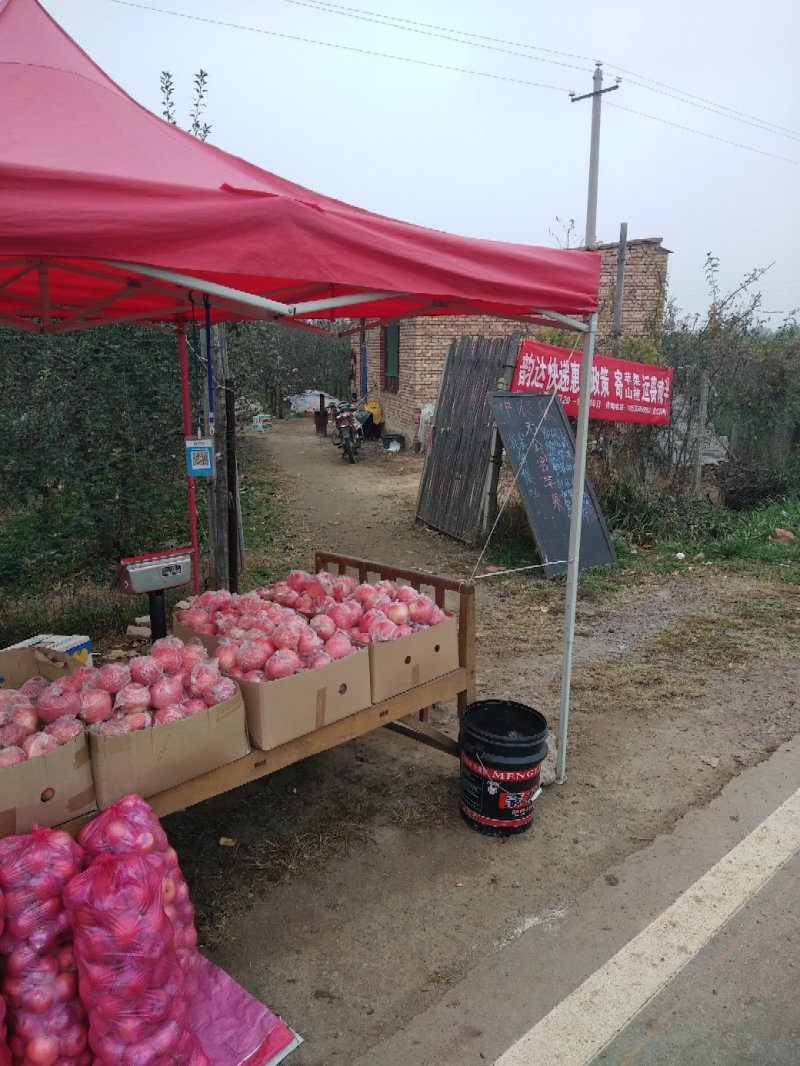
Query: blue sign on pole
column 200, row 456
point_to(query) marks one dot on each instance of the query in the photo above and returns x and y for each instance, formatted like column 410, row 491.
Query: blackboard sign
column 541, row 447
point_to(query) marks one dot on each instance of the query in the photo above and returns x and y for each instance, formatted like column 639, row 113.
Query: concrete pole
column 579, row 479
column 619, row 289
column 594, row 158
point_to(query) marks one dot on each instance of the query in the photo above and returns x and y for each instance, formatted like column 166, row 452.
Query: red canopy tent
column 104, row 204
column 111, row 214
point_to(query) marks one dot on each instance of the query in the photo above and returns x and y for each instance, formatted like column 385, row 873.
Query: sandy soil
column 354, row 894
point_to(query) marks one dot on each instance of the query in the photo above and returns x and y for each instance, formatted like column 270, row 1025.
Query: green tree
column 270, row 362
column 91, row 450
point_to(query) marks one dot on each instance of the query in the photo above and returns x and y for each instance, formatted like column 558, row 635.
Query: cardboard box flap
column 19, row 664
column 187, row 635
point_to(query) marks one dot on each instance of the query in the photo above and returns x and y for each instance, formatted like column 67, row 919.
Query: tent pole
column 579, row 479
column 187, row 432
column 573, row 553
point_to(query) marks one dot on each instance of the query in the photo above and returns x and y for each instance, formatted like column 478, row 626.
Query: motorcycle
column 348, row 433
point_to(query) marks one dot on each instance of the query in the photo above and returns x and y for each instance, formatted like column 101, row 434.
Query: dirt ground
column 350, row 894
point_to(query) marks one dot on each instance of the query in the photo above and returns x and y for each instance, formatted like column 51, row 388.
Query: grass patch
column 776, row 616
column 639, row 687
column 80, row 607
column 426, row 805
column 649, row 532
column 705, row 640
column 272, row 548
column 741, row 630
column 674, row 665
column 262, row 531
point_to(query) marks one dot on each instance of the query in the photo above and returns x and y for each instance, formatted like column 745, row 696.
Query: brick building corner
column 424, row 342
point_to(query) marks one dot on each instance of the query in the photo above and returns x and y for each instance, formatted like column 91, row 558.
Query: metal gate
column 457, row 460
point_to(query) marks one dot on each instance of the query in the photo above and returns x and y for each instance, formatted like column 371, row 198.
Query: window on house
column 390, row 357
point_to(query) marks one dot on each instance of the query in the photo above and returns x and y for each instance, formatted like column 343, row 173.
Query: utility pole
column 619, row 288
column 594, row 154
column 579, row 479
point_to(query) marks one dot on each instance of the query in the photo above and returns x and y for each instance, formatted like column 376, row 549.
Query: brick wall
column 424, row 342
column 401, row 408
column 644, row 289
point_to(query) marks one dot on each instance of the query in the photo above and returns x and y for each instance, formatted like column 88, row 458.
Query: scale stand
column 158, row 614
column 153, row 574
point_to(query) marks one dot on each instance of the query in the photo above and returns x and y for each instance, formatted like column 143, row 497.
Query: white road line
column 584, row 1023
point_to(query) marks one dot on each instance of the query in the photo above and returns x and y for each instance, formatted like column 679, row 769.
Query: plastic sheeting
column 234, row 1028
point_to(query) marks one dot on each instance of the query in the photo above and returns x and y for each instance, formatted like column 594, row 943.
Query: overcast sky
column 488, row 157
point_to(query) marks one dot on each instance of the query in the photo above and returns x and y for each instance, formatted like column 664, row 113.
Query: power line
column 391, row 19
column 714, row 109
column 440, row 66
column 342, row 47
column 702, row 133
column 389, row 22
column 641, row 80
column 698, row 101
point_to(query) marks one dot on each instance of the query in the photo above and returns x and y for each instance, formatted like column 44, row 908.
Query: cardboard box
column 279, row 711
column 152, row 760
column 47, row 790
column 51, row 788
column 186, row 634
column 75, row 646
column 398, row 665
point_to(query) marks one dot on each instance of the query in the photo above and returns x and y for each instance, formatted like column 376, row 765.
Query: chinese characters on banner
column 622, row 391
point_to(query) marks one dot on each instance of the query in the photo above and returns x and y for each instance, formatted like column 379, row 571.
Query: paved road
column 738, row 1001
column 687, row 953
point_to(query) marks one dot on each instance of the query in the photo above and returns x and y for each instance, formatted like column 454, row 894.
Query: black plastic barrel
column 503, row 745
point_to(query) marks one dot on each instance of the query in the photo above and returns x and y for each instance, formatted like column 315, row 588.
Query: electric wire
column 446, row 67
column 389, row 22
column 714, row 109
column 390, row 19
column 702, row 133
column 341, row 47
column 634, row 78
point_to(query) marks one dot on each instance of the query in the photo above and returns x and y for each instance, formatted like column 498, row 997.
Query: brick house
column 405, row 359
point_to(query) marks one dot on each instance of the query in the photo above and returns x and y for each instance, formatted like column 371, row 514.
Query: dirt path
column 355, row 895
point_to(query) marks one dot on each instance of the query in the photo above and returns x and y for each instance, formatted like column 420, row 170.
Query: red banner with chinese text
column 622, row 391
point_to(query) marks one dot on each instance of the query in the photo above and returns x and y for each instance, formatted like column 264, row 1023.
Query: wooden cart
column 394, row 713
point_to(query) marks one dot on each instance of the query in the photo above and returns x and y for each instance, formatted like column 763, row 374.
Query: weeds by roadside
column 74, row 607
column 648, row 536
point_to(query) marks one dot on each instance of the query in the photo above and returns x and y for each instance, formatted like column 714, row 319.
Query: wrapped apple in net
column 5, row 1050
column 130, row 827
column 131, row 981
column 45, row 1018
